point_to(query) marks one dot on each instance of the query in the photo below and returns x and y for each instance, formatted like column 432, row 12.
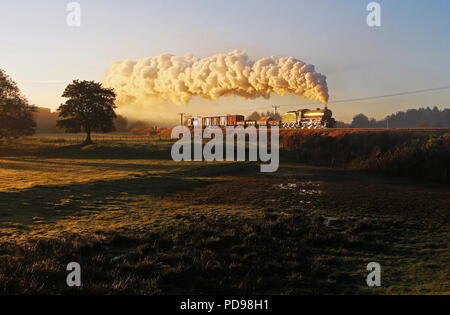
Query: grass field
column 138, row 222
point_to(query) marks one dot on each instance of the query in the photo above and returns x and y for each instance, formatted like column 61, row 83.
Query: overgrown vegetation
column 270, row 255
column 421, row 154
column 275, row 252
column 411, row 118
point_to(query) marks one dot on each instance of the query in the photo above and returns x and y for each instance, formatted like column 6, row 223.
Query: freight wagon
column 220, row 121
column 268, row 121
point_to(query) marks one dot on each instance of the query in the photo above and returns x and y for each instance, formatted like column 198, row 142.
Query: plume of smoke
column 169, row 79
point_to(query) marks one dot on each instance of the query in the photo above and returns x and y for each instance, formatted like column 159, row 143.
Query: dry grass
column 28, row 172
column 150, row 225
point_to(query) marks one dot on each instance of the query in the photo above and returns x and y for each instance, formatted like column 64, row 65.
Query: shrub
column 410, row 153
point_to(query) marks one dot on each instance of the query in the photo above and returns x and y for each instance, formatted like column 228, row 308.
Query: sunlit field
column 140, row 223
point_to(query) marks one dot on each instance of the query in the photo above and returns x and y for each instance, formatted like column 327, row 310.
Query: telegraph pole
column 181, row 118
column 276, row 107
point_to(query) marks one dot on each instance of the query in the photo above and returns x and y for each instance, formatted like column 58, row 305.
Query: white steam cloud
column 151, row 82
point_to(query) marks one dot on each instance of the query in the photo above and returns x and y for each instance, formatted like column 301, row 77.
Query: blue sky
column 410, row 51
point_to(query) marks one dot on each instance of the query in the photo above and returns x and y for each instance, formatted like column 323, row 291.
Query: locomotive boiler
column 308, row 119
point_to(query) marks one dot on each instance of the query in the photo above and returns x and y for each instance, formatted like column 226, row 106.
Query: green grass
column 138, row 222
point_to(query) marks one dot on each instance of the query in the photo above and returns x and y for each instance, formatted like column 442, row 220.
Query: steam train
column 302, row 118
column 309, row 119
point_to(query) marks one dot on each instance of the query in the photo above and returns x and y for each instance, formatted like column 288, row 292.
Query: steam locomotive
column 302, row 118
column 309, row 119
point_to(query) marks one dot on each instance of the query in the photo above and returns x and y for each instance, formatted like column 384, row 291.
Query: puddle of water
column 302, row 191
column 329, row 221
column 117, row 253
column 309, row 192
column 289, row 186
column 116, row 258
column 310, row 183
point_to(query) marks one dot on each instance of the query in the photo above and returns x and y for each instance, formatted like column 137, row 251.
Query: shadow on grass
column 94, row 151
column 53, row 202
column 38, row 164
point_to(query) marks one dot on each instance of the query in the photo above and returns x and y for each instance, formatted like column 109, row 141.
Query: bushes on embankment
column 422, row 154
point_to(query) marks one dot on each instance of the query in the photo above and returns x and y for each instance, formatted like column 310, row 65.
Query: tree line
column 46, row 122
column 89, row 108
column 257, row 116
column 411, row 118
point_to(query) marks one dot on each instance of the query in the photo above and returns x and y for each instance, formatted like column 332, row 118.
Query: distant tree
column 139, row 125
column 360, row 121
column 423, row 124
column 382, row 123
column 254, row 116
column 121, row 123
column 268, row 113
column 45, row 120
column 372, row 123
column 276, row 116
column 16, row 114
column 89, row 108
column 411, row 118
column 422, row 117
column 341, row 124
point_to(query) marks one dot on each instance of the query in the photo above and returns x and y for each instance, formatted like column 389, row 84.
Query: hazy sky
column 410, row 51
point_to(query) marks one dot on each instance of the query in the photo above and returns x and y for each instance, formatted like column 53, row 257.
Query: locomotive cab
column 289, row 120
